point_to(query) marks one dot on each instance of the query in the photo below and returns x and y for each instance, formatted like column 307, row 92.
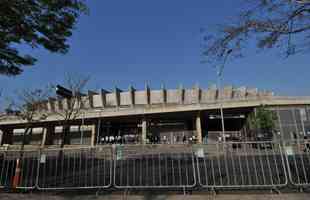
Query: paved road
column 147, row 196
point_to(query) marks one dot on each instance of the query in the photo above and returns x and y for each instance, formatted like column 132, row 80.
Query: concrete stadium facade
column 164, row 116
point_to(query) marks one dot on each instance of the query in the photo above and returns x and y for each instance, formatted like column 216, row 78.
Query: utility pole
column 219, row 80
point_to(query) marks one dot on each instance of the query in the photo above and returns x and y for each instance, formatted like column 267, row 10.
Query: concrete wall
column 125, row 99
column 208, row 95
column 190, row 96
column 110, row 99
column 97, row 101
column 140, row 98
column 162, row 96
column 173, row 96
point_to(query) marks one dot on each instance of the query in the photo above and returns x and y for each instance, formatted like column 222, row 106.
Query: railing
column 154, row 166
column 18, row 169
column 241, row 165
column 237, row 165
column 298, row 161
column 75, row 168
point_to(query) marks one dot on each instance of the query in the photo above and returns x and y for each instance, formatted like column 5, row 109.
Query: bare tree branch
column 74, row 105
column 272, row 23
column 30, row 106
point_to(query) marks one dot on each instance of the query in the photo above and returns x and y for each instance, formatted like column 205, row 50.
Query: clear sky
column 125, row 42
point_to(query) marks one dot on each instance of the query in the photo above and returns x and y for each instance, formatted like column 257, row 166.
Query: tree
column 262, row 122
column 30, row 106
column 271, row 23
column 36, row 23
column 73, row 105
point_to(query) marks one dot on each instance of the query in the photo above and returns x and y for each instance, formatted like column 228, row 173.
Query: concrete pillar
column 59, row 105
column 197, row 93
column 103, row 97
column 51, row 104
column 181, row 92
column 1, row 137
column 144, row 131
column 117, row 94
column 44, row 137
column 148, row 94
column 91, row 98
column 50, row 134
column 132, row 96
column 198, row 128
column 67, row 105
column 93, row 136
column 164, row 94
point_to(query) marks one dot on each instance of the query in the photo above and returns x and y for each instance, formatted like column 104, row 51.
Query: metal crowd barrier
column 75, row 168
column 241, row 165
column 219, row 165
column 154, row 166
column 298, row 161
column 18, row 169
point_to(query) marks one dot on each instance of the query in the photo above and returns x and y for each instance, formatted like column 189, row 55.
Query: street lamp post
column 219, row 80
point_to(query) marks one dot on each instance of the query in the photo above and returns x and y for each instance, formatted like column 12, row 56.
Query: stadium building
column 160, row 116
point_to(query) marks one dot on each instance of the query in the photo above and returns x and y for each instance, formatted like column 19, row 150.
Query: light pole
column 219, row 80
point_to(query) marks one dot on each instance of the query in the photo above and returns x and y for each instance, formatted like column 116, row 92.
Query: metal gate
column 241, row 165
column 75, row 168
column 18, row 169
column 154, row 166
column 298, row 161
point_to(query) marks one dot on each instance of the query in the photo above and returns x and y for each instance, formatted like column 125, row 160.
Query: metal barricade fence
column 18, row 169
column 154, row 166
column 219, row 165
column 75, row 168
column 241, row 165
column 298, row 161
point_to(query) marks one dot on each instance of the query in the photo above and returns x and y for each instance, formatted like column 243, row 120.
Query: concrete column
column 132, row 96
column 197, row 93
column 164, row 94
column 50, row 133
column 59, row 105
column 1, row 137
column 103, row 97
column 148, row 94
column 117, row 92
column 198, row 128
column 91, row 98
column 144, row 131
column 44, row 137
column 48, row 136
column 181, row 92
column 93, row 135
column 51, row 104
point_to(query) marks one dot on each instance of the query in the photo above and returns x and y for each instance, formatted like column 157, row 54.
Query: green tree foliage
column 37, row 23
column 281, row 24
column 263, row 120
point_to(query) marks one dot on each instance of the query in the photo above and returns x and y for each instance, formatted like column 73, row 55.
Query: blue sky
column 133, row 42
